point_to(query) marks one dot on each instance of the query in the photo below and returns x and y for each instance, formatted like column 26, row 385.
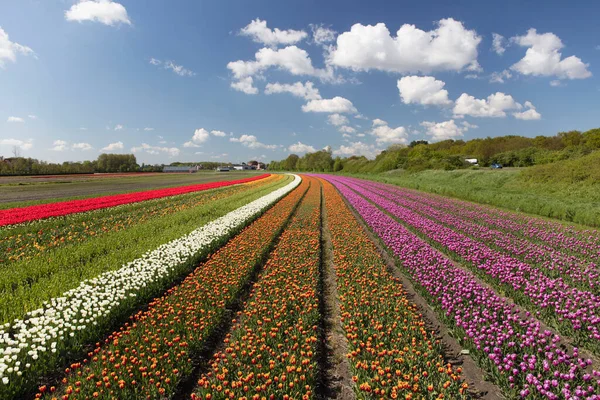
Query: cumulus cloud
column 498, row 44
column 119, row 127
column 113, row 147
column 445, row 130
column 245, row 85
column 148, row 129
column 81, row 146
column 301, row 148
column 15, row 119
column 500, row 77
column 322, row 35
column 218, row 133
column 290, row 59
column 305, row 90
column 357, row 149
column 347, row 129
column 106, row 12
column 555, row 83
column 261, row 33
column 252, row 142
column 425, row 90
column 201, row 135
column 385, row 134
column 530, row 114
column 337, row 119
column 543, row 57
column 448, row 47
column 59, row 145
column 23, row 144
column 338, row 105
column 9, row 50
column 495, row 105
column 378, row 122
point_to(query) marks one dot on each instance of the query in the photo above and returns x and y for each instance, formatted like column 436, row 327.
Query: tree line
column 104, row 163
column 509, row 151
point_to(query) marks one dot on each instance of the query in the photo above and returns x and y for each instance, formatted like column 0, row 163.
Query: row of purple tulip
column 567, row 238
column 554, row 263
column 522, row 358
column 576, row 312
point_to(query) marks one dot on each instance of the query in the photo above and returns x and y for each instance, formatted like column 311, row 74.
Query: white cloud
column 347, row 129
column 498, row 44
column 178, row 69
column 305, row 90
column 59, row 145
column 290, row 59
column 322, row 35
column 337, row 119
column 357, row 149
column 260, row 33
column 201, row 135
column 23, row 144
column 118, row 127
column 529, row 115
column 9, row 50
column 103, row 11
column 219, row 133
column 336, row 105
column 500, row 77
column 148, row 129
column 154, row 150
column 378, row 122
column 543, row 58
column 555, row 83
column 449, row 47
column 252, row 142
column 425, row 90
column 360, row 116
column 15, row 119
column 495, row 105
column 81, row 146
column 30, row 116
column 445, row 130
column 385, row 134
column 113, row 146
column 360, row 135
column 245, row 85
column 301, row 148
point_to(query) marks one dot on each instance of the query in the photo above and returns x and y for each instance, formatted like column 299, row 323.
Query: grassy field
column 23, row 191
column 566, row 191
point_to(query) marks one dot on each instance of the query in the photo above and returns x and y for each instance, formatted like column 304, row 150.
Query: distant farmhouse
column 183, row 169
column 252, row 165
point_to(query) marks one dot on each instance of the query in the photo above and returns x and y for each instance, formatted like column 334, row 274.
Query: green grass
column 545, row 190
column 26, row 284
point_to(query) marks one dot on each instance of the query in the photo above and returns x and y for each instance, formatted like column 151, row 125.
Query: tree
column 290, row 162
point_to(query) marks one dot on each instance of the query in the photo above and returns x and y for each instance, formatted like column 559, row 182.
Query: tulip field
column 283, row 286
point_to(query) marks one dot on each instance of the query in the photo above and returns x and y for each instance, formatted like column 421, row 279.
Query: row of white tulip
column 37, row 343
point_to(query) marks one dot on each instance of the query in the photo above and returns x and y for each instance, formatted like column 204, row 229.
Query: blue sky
column 215, row 80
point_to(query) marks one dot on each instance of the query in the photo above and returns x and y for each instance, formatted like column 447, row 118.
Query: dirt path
column 337, row 373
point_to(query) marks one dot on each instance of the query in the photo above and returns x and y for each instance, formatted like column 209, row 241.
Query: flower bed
column 31, row 213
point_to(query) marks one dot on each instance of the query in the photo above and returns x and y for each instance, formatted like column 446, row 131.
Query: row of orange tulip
column 272, row 350
column 391, row 352
column 149, row 356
